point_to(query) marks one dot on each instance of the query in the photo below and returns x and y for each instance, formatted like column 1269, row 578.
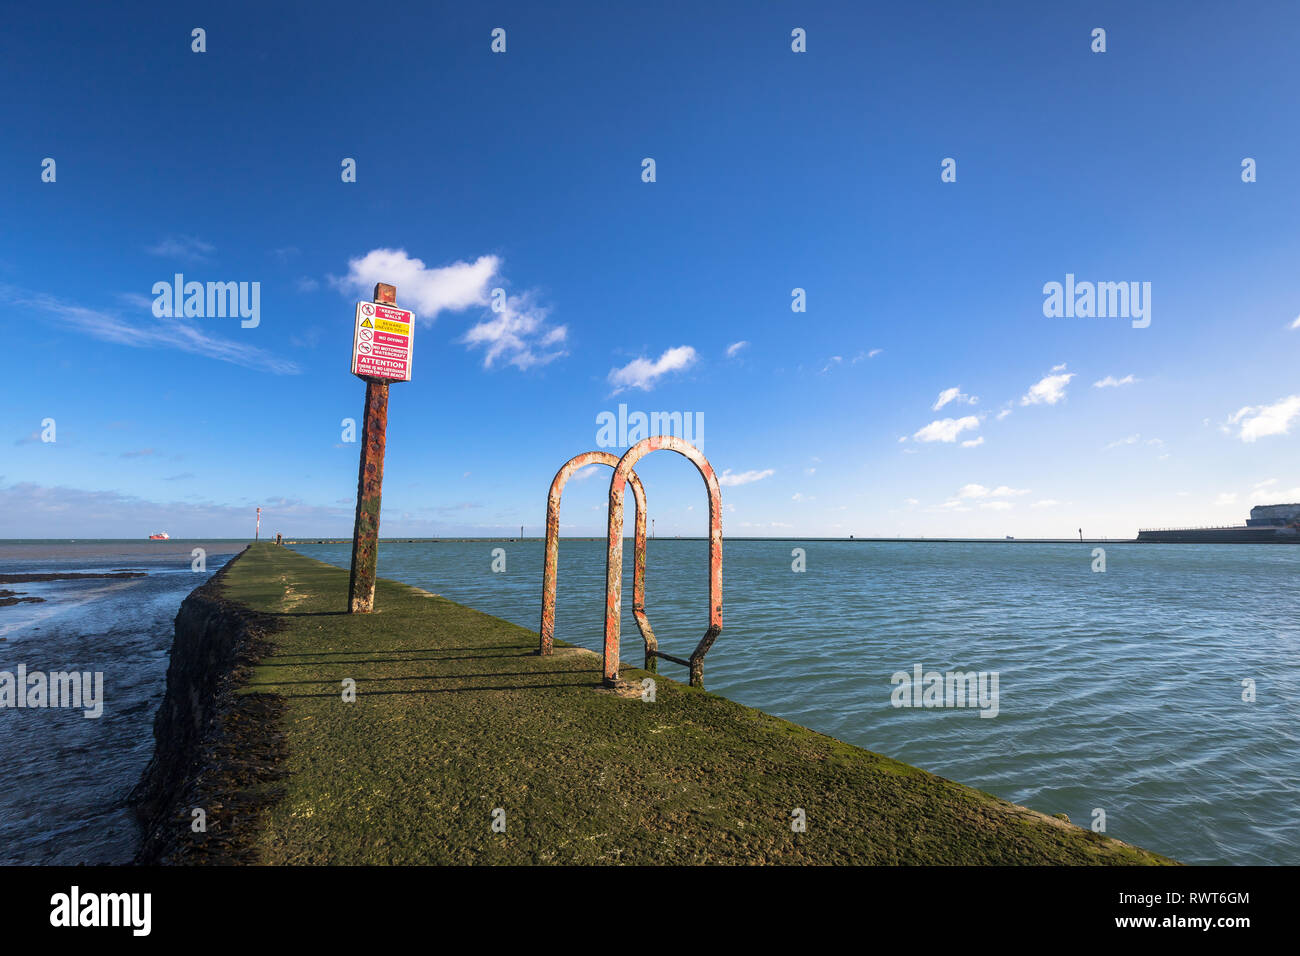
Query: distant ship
column 1268, row 524
column 159, row 536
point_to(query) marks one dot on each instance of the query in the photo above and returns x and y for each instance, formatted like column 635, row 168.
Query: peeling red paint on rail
column 614, row 555
column 550, row 568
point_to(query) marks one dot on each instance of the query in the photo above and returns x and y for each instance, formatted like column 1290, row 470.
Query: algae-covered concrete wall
column 210, row 744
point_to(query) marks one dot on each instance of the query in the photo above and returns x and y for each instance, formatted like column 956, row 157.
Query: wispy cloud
column 735, row 348
column 1110, row 381
column 518, row 333
column 644, row 374
column 145, row 331
column 980, row 491
column 954, row 394
column 61, row 511
column 729, row 480
column 191, row 248
column 1260, row 421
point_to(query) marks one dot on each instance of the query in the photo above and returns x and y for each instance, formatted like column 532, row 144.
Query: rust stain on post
column 370, row 486
column 550, row 568
column 614, row 557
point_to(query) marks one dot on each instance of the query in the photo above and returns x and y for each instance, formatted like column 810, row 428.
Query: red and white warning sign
column 383, row 342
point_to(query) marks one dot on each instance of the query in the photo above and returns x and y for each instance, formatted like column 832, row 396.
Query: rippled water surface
column 1119, row 691
column 66, row 777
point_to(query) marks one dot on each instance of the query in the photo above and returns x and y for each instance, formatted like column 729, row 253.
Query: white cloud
column 1130, row 440
column 735, row 347
column 643, row 374
column 1110, row 381
column 729, row 480
column 1296, row 323
column 183, row 247
column 516, row 333
column 1048, row 390
column 1045, row 503
column 954, row 394
column 973, row 442
column 426, row 291
column 1260, row 421
column 946, row 429
column 1004, row 413
column 800, row 496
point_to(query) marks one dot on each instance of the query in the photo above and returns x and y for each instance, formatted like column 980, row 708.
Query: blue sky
column 775, row 170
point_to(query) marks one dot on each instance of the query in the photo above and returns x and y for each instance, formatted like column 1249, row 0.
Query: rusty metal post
column 550, row 566
column 614, row 557
column 370, row 485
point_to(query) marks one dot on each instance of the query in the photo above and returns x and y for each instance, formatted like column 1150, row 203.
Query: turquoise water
column 1119, row 691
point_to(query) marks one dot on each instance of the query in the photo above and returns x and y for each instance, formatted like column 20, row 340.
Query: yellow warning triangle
column 365, row 324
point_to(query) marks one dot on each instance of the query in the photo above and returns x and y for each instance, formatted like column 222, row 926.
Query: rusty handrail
column 550, row 567
column 614, row 556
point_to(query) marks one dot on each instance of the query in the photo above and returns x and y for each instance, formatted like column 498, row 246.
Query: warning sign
column 383, row 342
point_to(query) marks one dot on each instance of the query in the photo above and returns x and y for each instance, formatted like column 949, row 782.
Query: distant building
column 1277, row 516
column 1270, row 524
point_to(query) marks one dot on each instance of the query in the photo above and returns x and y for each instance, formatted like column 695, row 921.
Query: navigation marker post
column 382, row 342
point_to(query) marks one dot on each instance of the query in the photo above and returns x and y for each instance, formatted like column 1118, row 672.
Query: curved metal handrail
column 614, row 556
column 550, row 569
